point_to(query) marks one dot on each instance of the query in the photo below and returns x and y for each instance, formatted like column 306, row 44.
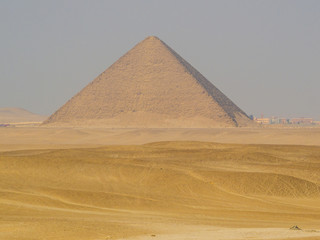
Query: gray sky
column 264, row 55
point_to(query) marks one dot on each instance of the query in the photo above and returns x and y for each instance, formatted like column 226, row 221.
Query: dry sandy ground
column 41, row 137
column 212, row 233
column 164, row 190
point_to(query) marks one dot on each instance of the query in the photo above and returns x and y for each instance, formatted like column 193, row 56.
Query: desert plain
column 223, row 183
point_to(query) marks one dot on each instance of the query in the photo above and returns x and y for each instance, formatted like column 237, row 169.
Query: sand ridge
column 18, row 115
column 53, row 137
column 135, row 191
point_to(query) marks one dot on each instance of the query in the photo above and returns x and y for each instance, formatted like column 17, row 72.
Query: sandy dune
column 18, row 115
column 41, row 137
column 162, row 190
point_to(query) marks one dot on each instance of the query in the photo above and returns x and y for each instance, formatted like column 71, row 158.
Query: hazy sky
column 264, row 55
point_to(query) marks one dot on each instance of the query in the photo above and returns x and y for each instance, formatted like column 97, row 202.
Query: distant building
column 284, row 121
column 275, row 120
column 263, row 120
column 304, row 121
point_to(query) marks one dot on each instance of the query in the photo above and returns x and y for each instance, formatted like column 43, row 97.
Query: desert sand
column 19, row 115
column 15, row 138
column 237, row 183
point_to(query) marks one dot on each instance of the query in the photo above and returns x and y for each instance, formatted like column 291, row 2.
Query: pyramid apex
column 152, row 38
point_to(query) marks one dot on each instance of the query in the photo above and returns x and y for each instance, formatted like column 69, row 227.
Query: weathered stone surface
column 150, row 86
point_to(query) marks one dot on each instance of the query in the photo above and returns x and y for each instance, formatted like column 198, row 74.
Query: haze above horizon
column 263, row 55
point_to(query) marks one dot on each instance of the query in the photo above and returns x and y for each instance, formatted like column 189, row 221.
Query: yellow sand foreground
column 162, row 190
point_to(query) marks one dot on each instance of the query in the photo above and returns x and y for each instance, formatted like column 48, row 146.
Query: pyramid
column 151, row 86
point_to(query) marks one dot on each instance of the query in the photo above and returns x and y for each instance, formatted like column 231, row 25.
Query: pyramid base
column 151, row 120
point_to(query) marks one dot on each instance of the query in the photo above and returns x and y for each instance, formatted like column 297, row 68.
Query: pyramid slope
column 150, row 86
